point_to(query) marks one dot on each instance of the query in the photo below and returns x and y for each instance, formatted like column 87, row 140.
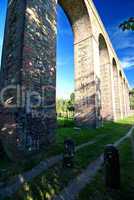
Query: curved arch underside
column 77, row 14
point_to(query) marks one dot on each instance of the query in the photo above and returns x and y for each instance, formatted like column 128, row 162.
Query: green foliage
column 65, row 107
column 49, row 183
column 55, row 179
column 65, row 122
column 72, row 98
column 128, row 25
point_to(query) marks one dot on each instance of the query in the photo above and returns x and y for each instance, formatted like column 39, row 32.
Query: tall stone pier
column 28, row 73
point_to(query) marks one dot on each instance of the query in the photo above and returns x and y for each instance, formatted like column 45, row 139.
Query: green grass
column 56, row 178
column 65, row 122
column 79, row 136
column 97, row 190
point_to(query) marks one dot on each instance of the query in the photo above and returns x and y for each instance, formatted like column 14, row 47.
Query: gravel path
column 43, row 166
column 78, row 183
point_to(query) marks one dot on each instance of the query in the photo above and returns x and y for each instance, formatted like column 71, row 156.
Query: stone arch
column 105, row 74
column 116, row 89
column 33, row 58
column 79, row 18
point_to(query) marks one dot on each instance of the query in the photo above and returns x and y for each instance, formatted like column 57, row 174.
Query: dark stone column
column 28, row 68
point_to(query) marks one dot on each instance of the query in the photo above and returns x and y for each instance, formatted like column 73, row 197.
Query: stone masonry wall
column 39, row 67
column 116, row 91
column 11, row 73
column 85, row 110
column 28, row 117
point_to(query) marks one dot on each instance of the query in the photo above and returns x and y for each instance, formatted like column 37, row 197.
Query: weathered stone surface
column 29, row 69
column 116, row 90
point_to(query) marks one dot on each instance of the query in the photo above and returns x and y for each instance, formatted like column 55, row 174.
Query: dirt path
column 43, row 166
column 78, row 183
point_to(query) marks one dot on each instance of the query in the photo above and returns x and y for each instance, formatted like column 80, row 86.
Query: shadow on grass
column 55, row 179
column 97, row 190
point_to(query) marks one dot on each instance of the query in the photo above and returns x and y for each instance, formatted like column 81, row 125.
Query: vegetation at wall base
column 56, row 178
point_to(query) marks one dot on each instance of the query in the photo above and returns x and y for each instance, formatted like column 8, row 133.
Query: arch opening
column 78, row 16
column 64, row 66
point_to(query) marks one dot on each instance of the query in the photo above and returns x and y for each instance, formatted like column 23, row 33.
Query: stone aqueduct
column 29, row 60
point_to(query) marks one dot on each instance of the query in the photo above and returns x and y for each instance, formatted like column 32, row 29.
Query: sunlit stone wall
column 85, row 85
column 28, row 73
column 28, row 67
column 116, row 91
column 39, row 65
column 106, row 89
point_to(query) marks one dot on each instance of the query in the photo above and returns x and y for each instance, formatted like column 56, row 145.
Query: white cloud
column 121, row 40
column 128, row 63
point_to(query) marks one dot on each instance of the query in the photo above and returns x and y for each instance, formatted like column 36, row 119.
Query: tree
column 65, row 107
column 61, row 105
column 71, row 102
column 128, row 25
column 72, row 98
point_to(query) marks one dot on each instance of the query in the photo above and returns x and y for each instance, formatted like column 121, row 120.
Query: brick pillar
column 122, row 97
column 120, row 93
column 97, row 77
column 85, row 83
column 106, row 81
column 113, row 94
column 127, row 100
column 11, row 67
column 28, row 63
column 116, row 92
column 39, row 63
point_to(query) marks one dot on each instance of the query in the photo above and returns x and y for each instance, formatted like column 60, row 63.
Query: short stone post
column 112, row 167
column 69, row 153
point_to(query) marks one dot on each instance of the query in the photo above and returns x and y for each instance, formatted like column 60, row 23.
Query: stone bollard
column 69, row 153
column 112, row 167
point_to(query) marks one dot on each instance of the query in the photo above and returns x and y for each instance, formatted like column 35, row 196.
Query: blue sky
column 112, row 12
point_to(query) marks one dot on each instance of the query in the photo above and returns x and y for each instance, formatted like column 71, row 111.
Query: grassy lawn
column 56, row 178
column 97, row 190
